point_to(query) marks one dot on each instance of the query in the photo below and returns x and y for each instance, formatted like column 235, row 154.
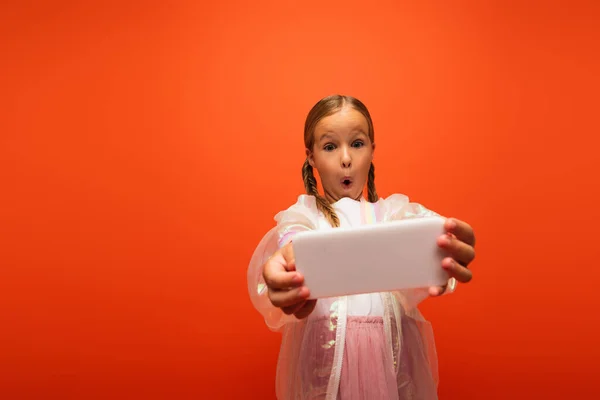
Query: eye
column 358, row 143
column 329, row 147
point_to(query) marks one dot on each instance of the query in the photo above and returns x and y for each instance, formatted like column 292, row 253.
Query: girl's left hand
column 459, row 243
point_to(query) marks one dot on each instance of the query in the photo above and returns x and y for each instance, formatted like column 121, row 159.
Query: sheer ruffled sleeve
column 301, row 216
column 397, row 207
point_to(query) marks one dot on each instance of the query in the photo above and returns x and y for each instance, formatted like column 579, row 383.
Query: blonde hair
column 325, row 107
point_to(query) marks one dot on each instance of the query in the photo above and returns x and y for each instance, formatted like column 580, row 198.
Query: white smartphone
column 371, row 258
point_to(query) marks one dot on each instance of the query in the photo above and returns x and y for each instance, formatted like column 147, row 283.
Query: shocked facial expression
column 342, row 154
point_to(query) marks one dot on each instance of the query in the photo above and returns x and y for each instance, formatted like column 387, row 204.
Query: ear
column 373, row 151
column 310, row 157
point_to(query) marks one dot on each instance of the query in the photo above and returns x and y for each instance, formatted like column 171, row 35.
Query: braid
column 310, row 184
column 373, row 197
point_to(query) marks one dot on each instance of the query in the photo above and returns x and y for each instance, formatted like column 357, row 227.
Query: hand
column 459, row 243
column 286, row 285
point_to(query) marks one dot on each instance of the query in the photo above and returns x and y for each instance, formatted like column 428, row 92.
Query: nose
column 346, row 158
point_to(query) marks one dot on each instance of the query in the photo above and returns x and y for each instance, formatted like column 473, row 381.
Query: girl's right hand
column 286, row 285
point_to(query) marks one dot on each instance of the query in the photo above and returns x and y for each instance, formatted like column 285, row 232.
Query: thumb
column 288, row 255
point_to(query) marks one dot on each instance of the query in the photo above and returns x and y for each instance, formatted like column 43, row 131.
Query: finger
column 278, row 278
column 306, row 309
column 461, row 230
column 293, row 308
column 287, row 252
column 287, row 298
column 437, row 290
column 457, row 271
column 457, row 249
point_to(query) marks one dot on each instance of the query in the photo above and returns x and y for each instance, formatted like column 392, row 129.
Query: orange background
column 146, row 146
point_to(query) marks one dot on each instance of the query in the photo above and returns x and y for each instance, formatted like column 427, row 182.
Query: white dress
column 368, row 346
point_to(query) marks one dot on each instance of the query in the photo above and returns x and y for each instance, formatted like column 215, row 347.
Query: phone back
column 371, row 258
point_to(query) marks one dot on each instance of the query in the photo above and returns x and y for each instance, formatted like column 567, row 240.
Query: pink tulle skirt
column 367, row 370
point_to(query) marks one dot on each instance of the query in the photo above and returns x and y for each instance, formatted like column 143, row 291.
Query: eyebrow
column 355, row 132
column 325, row 136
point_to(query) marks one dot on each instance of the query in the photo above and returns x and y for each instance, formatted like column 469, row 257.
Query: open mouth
column 346, row 182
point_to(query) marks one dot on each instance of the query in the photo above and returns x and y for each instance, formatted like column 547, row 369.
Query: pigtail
column 310, row 184
column 373, row 197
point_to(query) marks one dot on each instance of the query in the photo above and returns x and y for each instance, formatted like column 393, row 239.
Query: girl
column 372, row 346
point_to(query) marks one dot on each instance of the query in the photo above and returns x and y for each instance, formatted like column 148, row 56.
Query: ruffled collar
column 348, row 200
column 311, row 201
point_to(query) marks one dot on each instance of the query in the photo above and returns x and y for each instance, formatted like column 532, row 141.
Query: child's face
column 342, row 153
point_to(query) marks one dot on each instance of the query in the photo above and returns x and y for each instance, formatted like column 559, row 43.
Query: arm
column 274, row 287
column 257, row 287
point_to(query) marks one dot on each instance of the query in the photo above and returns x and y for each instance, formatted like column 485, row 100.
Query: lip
column 347, row 179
